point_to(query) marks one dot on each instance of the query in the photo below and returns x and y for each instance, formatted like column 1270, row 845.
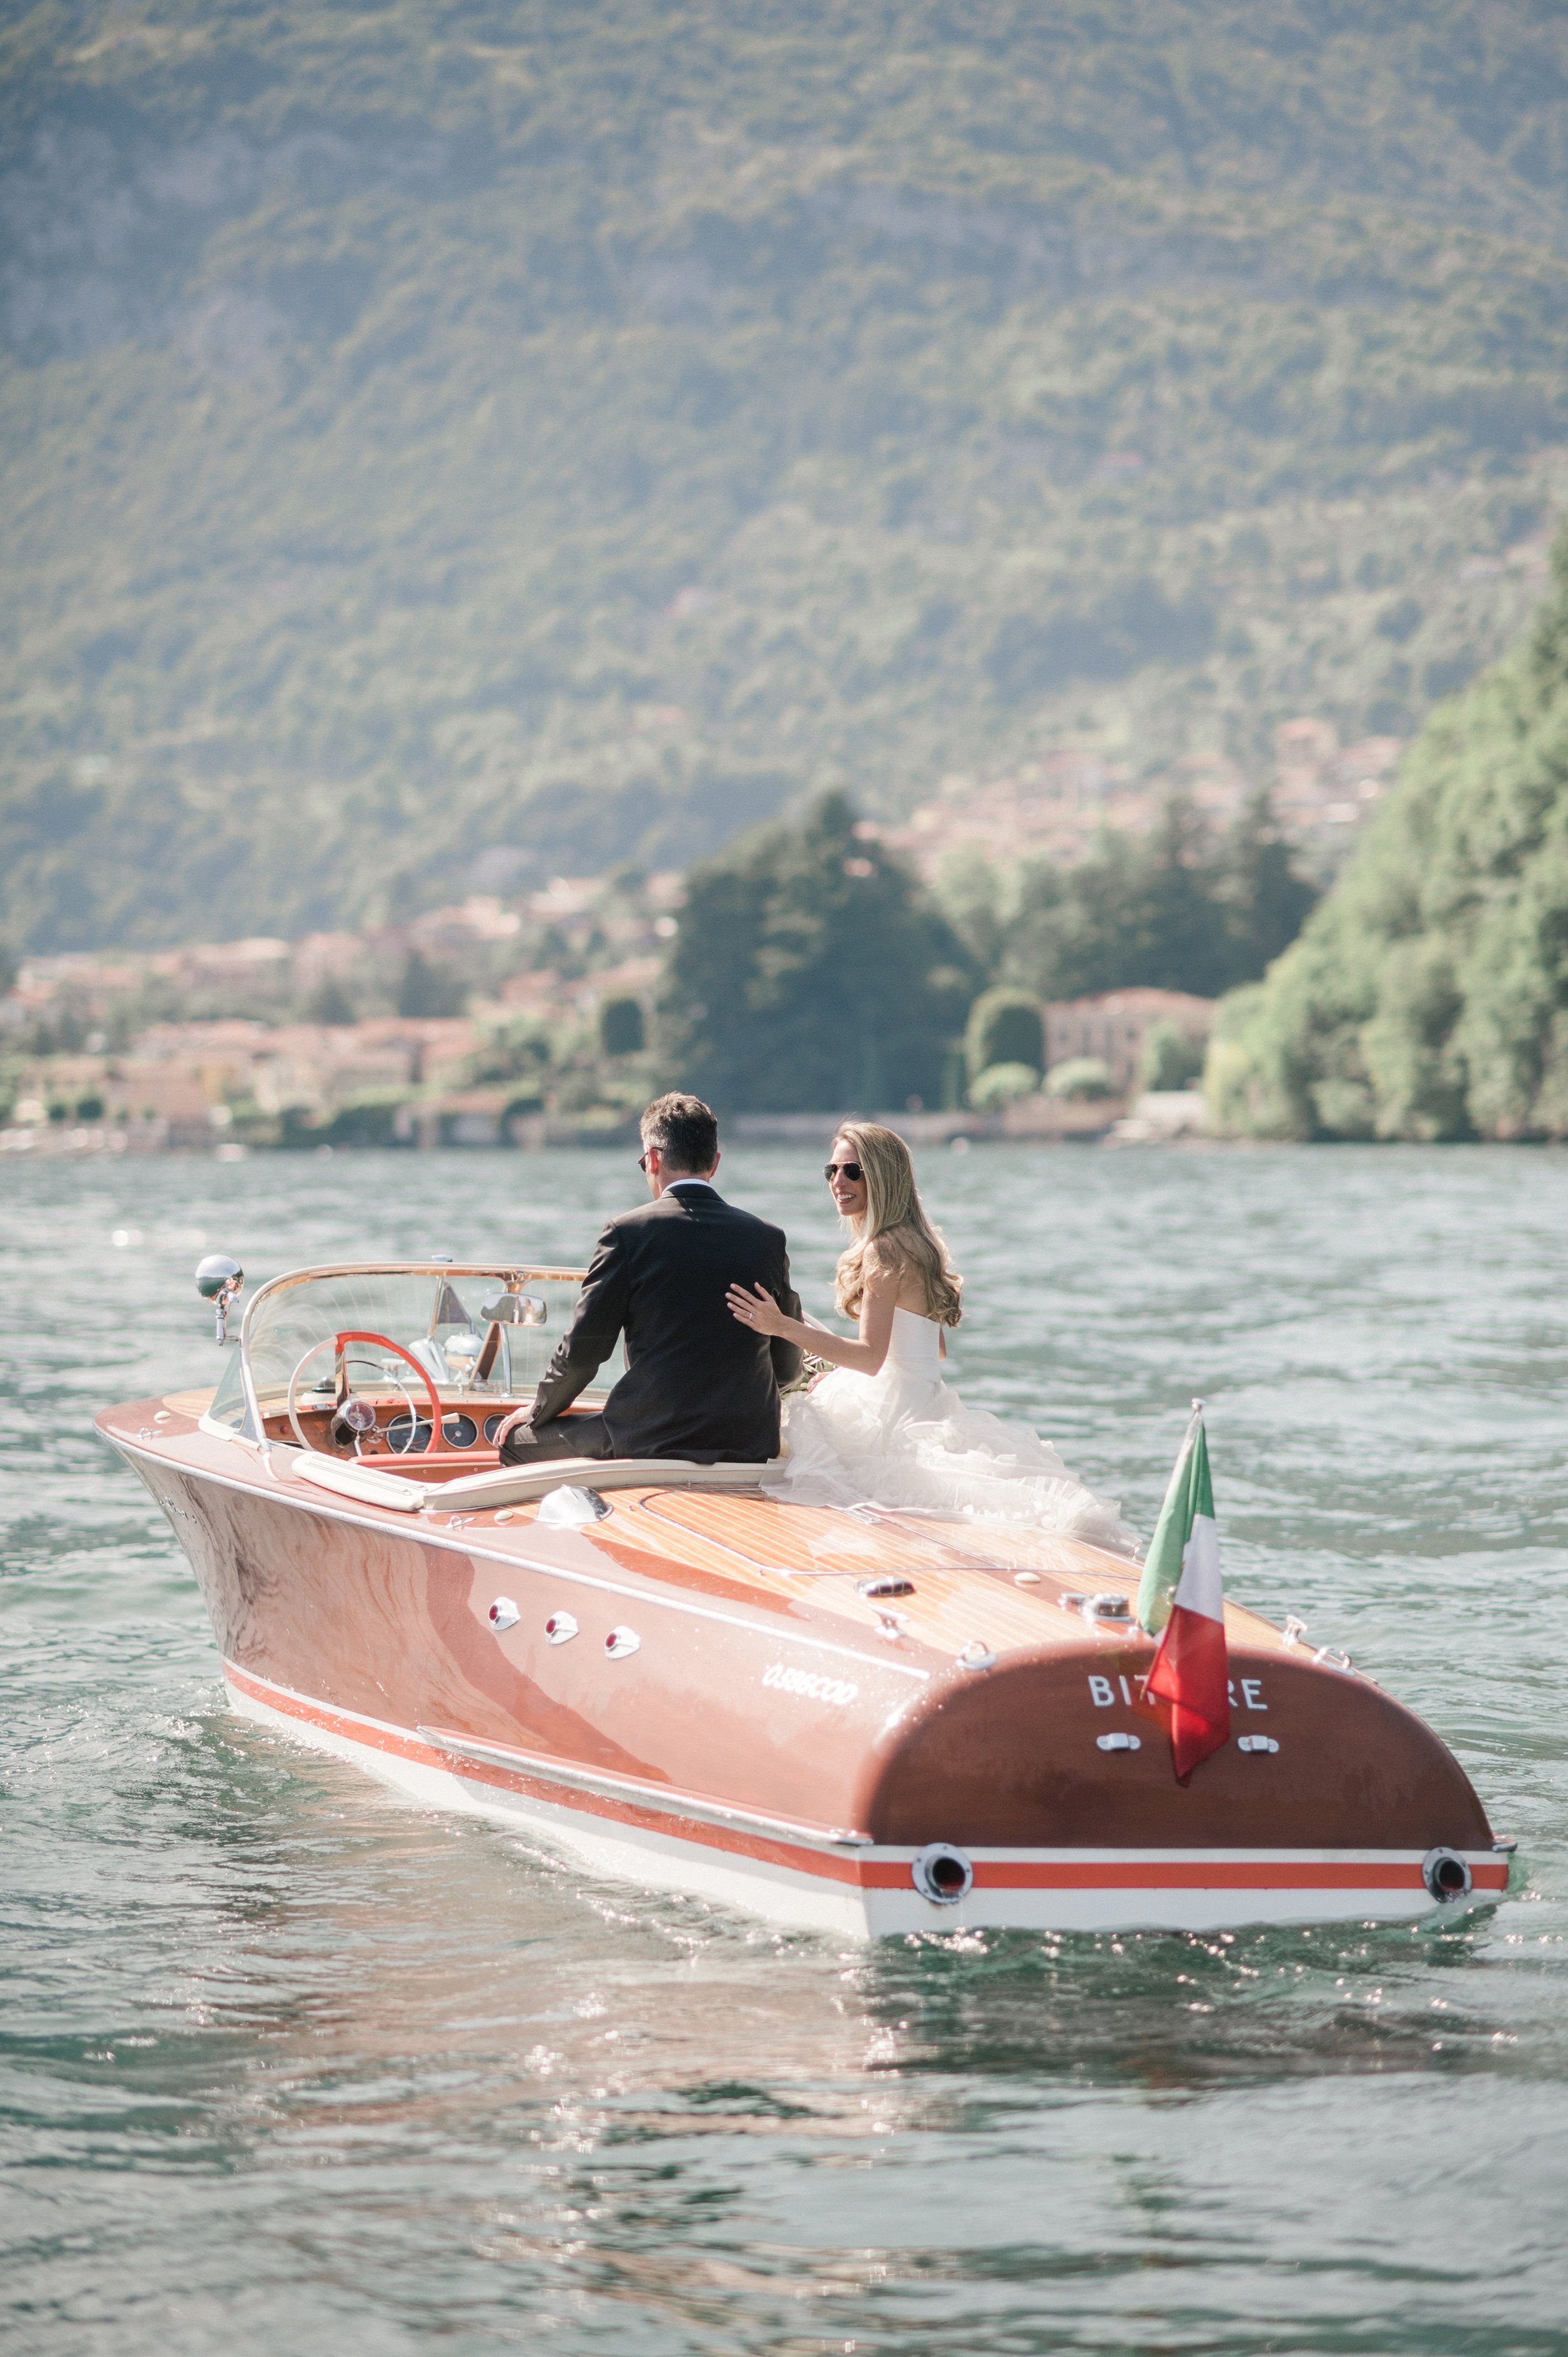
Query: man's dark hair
column 684, row 1131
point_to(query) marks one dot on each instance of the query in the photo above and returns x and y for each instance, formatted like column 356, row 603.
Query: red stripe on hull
column 1188, row 1874
column 868, row 1873
column 826, row 1865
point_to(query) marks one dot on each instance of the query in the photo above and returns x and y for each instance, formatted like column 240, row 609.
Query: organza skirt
column 903, row 1437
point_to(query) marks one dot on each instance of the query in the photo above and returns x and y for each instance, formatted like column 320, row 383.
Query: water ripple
column 285, row 2064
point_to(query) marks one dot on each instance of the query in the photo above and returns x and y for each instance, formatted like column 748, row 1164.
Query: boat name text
column 807, row 1683
column 1103, row 1692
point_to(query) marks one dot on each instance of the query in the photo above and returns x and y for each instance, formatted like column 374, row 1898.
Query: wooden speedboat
column 867, row 1720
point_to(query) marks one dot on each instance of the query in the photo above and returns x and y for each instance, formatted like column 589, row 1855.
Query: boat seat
column 512, row 1485
column 516, row 1485
column 348, row 1477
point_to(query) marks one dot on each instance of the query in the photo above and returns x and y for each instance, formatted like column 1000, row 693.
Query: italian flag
column 1183, row 1596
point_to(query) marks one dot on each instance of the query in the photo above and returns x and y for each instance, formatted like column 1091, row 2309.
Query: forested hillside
column 810, row 969
column 1428, row 996
column 444, row 443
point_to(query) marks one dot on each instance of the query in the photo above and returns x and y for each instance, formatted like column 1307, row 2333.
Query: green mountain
column 448, row 443
column 1427, row 998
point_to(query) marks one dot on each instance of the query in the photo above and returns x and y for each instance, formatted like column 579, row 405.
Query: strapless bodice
column 915, row 1345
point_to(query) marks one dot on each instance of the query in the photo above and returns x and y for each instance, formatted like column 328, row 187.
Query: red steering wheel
column 436, row 1441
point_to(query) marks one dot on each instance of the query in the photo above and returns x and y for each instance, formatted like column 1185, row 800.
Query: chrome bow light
column 569, row 1507
column 219, row 1280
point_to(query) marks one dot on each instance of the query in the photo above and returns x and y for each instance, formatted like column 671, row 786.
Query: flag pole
column 1182, row 1598
column 1162, row 1563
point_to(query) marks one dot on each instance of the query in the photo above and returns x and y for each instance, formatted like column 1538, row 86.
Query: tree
column 1428, row 996
column 428, row 990
column 973, row 901
column 811, row 973
column 330, row 1003
column 622, row 1031
column 1174, row 911
column 1006, row 1026
column 1265, row 902
column 1000, row 1084
column 1173, row 1059
column 1079, row 1076
column 515, row 1049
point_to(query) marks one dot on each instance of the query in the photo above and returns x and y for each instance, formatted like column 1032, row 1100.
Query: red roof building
column 1114, row 1025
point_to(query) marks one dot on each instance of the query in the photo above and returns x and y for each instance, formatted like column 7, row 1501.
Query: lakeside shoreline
column 1116, row 1125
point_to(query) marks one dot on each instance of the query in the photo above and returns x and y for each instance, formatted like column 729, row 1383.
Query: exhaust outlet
column 942, row 1874
column 1445, row 1875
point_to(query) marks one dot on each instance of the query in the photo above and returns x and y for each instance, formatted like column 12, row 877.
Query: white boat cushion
column 515, row 1485
column 351, row 1478
column 511, row 1485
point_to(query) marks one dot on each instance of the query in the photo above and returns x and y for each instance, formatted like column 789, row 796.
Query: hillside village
column 227, row 1084
column 532, row 1018
column 354, row 1038
column 1054, row 807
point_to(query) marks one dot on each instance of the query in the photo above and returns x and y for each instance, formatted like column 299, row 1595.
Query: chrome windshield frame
column 510, row 1275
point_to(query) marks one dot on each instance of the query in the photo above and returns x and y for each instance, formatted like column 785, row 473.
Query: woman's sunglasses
column 850, row 1170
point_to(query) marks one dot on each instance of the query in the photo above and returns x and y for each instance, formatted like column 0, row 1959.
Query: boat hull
column 721, row 1722
column 867, row 1892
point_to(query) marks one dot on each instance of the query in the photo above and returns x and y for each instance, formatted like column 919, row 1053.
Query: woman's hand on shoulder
column 757, row 1309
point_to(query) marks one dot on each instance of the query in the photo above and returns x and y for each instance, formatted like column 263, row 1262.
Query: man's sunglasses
column 850, row 1170
column 642, row 1159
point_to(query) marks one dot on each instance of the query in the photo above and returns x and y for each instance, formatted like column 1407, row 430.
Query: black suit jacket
column 698, row 1383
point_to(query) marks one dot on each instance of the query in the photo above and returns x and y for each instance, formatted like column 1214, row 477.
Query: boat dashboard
column 420, row 1362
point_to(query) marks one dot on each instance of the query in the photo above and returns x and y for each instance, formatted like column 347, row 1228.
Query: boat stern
column 1042, row 1792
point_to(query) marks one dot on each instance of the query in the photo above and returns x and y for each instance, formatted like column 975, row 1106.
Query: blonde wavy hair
column 894, row 1222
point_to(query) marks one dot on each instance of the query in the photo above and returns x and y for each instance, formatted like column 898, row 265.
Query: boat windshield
column 475, row 1330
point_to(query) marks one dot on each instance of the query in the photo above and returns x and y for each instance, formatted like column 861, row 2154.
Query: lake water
column 286, row 2065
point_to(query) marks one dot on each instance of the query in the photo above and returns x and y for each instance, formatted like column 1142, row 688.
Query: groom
column 697, row 1383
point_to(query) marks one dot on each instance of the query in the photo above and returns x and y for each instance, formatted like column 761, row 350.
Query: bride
column 883, row 1429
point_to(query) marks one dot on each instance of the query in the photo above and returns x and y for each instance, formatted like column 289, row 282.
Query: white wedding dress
column 901, row 1437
